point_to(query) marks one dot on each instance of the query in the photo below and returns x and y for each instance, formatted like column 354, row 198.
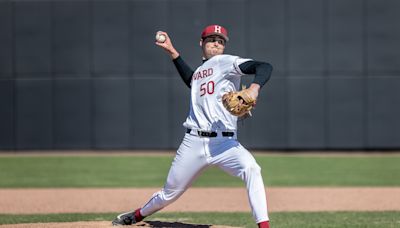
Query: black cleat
column 123, row 219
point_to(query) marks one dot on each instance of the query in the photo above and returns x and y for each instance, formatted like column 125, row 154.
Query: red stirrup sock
column 263, row 224
column 138, row 216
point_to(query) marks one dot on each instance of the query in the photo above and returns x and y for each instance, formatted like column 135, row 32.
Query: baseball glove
column 238, row 103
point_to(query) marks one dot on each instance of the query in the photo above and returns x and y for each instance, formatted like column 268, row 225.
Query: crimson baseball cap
column 215, row 30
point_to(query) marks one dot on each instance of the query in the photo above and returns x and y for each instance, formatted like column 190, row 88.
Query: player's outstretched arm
column 167, row 45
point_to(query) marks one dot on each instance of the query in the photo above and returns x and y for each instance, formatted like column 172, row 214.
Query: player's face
column 212, row 46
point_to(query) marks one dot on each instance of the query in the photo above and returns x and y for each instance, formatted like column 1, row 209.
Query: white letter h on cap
column 217, row 29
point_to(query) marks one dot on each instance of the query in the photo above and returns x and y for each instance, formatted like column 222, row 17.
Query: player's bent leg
column 242, row 164
column 186, row 167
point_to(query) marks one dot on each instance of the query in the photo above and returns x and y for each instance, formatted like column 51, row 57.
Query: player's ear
column 201, row 43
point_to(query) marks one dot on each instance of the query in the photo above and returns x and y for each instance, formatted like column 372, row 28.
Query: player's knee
column 252, row 169
column 255, row 168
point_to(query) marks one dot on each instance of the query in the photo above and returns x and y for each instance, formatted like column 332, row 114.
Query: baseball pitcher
column 216, row 103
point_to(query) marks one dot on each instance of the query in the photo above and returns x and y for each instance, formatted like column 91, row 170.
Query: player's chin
column 216, row 52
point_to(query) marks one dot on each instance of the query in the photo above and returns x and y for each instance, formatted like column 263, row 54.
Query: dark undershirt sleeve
column 261, row 70
column 184, row 70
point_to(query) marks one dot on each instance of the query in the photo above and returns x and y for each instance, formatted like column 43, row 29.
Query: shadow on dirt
column 158, row 224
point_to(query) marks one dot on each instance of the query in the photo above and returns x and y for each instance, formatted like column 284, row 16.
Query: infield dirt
column 74, row 200
column 91, row 200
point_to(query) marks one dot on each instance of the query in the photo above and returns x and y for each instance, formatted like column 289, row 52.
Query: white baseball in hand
column 160, row 37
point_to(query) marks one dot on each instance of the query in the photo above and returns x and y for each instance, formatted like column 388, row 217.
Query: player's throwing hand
column 166, row 44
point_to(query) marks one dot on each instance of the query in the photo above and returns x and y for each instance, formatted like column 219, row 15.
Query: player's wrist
column 253, row 90
column 173, row 53
column 255, row 87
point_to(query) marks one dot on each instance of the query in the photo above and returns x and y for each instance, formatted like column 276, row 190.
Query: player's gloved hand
column 240, row 103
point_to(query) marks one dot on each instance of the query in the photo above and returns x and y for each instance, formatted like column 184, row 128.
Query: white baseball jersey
column 217, row 76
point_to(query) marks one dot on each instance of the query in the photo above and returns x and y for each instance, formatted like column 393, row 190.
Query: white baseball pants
column 196, row 154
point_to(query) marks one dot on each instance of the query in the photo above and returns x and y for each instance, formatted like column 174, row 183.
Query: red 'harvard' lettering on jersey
column 202, row 74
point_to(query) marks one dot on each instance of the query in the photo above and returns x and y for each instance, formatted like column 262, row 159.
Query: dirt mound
column 107, row 224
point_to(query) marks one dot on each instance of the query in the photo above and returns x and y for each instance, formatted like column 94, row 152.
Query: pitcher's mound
column 107, row 224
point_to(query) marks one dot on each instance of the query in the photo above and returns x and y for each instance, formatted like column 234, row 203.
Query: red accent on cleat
column 263, row 224
column 138, row 216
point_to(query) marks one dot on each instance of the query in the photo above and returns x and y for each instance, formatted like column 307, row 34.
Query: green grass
column 151, row 171
column 278, row 220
